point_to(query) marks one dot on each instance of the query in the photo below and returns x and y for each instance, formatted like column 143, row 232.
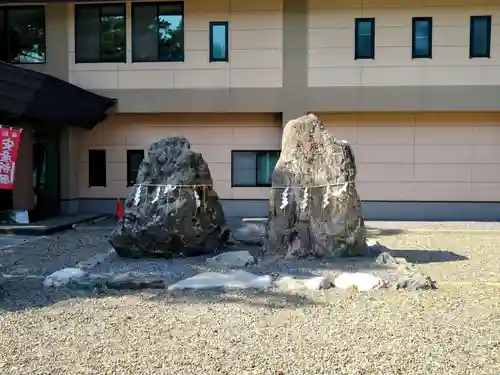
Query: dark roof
column 36, row 98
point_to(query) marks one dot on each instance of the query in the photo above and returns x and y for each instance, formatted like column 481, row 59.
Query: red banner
column 9, row 145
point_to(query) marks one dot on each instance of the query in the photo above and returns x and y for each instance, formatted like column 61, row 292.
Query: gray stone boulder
column 173, row 210
column 325, row 219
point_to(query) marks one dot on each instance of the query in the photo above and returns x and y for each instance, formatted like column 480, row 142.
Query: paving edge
column 44, row 231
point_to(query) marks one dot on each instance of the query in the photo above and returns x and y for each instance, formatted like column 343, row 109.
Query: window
column 421, row 37
column 219, row 41
column 134, row 160
column 97, row 167
column 157, row 32
column 22, row 34
column 100, row 34
column 364, row 39
column 480, row 36
column 253, row 168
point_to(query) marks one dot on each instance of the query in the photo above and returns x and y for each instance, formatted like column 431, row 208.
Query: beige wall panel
column 485, row 173
column 443, row 135
column 383, row 135
column 442, row 172
column 331, row 44
column 214, row 135
column 255, row 29
column 424, row 156
column 347, row 133
column 385, row 172
column 487, row 192
column 485, row 135
column 486, row 154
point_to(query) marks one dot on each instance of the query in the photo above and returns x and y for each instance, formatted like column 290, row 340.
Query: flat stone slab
column 64, row 277
column 290, row 283
column 361, row 281
column 231, row 280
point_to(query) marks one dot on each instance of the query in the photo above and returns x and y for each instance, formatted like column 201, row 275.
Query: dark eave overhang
column 27, row 96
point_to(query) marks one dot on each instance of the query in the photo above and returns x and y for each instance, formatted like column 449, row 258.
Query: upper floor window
column 22, row 34
column 100, row 34
column 421, row 37
column 219, row 41
column 157, row 31
column 364, row 39
column 253, row 168
column 480, row 36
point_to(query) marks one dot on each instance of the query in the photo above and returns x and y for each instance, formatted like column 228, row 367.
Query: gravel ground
column 454, row 330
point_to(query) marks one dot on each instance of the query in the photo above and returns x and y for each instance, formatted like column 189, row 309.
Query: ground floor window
column 252, row 168
column 134, row 160
column 97, row 168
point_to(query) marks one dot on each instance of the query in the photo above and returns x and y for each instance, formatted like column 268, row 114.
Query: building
column 414, row 87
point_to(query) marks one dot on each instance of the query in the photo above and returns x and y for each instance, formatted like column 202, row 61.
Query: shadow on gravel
column 427, row 256
column 255, row 298
column 27, row 294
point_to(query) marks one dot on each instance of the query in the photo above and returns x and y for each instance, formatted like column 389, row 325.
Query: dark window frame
column 414, row 54
column 158, row 4
column 257, row 153
column 473, row 55
column 131, row 181
column 226, row 41
column 103, row 169
column 357, row 54
column 100, row 6
column 4, row 12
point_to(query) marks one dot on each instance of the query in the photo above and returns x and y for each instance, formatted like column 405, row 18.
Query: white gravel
column 454, row 330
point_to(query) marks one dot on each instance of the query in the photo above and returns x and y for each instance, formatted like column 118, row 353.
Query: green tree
column 24, row 39
column 113, row 39
column 171, row 40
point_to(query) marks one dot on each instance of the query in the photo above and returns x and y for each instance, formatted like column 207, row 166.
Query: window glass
column 158, row 32
column 144, row 32
column 364, row 39
column 480, row 36
column 87, row 39
column 4, row 45
column 97, row 167
column 22, row 33
column 265, row 167
column 244, row 168
column 422, row 43
column 218, row 41
column 100, row 34
column 134, row 160
column 113, row 38
column 365, row 28
column 171, row 33
column 253, row 168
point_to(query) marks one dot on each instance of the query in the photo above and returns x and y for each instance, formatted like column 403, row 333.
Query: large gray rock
column 169, row 217
column 312, row 157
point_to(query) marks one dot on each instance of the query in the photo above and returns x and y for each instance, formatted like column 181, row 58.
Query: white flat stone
column 362, row 281
column 290, row 283
column 63, row 277
column 235, row 279
column 232, row 259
